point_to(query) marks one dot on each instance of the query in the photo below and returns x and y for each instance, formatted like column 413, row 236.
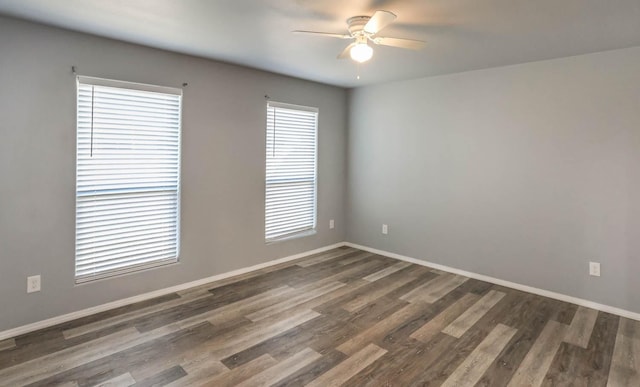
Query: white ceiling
column 461, row 34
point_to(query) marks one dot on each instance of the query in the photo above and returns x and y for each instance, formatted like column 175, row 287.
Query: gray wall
column 223, row 138
column 523, row 173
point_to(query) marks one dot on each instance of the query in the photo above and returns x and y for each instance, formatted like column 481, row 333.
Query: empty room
column 320, row 193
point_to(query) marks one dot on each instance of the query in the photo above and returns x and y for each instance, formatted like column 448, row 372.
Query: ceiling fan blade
column 325, row 34
column 400, row 43
column 378, row 21
column 346, row 53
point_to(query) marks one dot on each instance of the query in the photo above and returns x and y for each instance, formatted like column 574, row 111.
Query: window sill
column 297, row 235
column 79, row 281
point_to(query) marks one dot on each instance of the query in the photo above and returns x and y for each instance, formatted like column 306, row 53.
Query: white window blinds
column 290, row 205
column 127, row 177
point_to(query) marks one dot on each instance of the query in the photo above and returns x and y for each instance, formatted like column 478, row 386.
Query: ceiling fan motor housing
column 356, row 25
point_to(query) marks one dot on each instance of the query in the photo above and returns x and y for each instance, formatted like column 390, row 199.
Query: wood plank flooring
column 342, row 317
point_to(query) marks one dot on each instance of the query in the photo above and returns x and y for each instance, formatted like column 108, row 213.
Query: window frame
column 313, row 229
column 133, row 268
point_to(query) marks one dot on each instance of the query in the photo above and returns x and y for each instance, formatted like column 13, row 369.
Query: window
column 290, row 205
column 127, row 177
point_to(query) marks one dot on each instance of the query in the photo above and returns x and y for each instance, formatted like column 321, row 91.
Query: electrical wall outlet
column 594, row 269
column 33, row 284
column 331, row 223
column 385, row 229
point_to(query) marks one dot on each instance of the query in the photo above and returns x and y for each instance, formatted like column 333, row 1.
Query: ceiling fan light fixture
column 361, row 52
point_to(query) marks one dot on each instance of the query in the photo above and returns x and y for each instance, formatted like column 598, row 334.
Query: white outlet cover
column 331, row 223
column 594, row 269
column 33, row 284
column 385, row 229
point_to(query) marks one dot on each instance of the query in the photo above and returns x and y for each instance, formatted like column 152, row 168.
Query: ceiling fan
column 364, row 29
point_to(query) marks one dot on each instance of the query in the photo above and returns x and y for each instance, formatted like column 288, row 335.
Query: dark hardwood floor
column 343, row 317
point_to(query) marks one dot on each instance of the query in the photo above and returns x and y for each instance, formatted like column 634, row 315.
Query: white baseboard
column 508, row 284
column 146, row 296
